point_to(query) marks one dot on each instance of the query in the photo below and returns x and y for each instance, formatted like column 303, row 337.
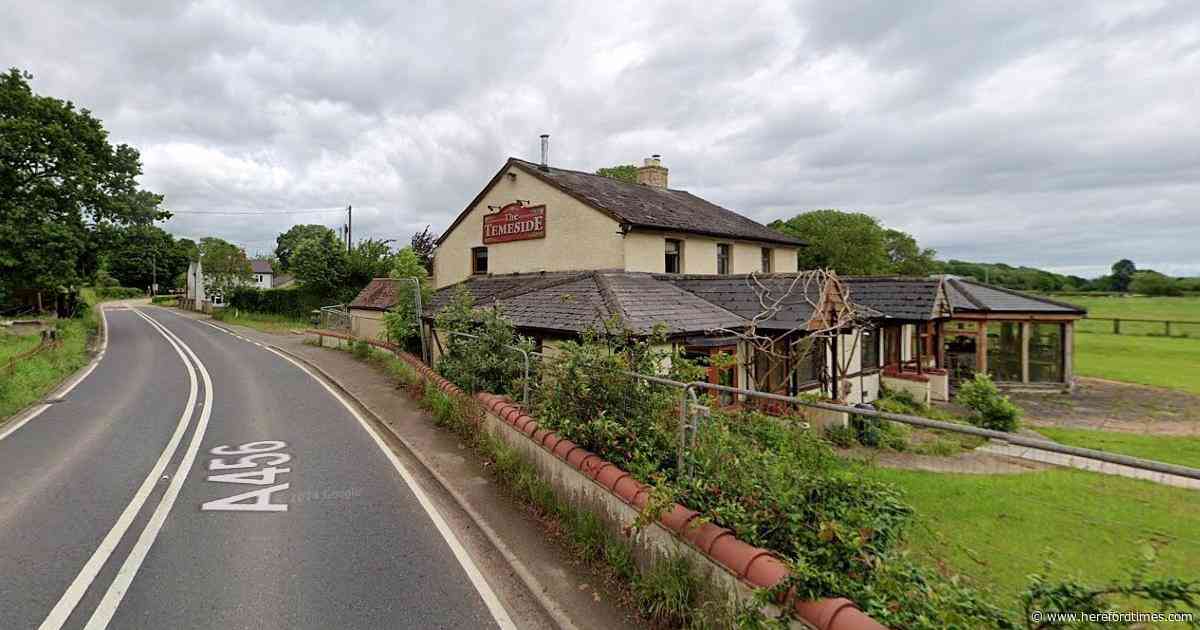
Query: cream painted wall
column 577, row 236
column 366, row 324
column 646, row 251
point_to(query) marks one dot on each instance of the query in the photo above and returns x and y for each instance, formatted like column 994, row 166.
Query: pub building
column 561, row 251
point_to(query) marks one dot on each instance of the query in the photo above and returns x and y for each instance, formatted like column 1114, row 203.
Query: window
column 674, row 256
column 1046, row 353
column 724, row 258
column 870, row 349
column 1004, row 351
column 766, row 260
column 479, row 260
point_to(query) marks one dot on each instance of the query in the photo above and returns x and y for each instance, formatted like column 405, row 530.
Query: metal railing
column 333, row 317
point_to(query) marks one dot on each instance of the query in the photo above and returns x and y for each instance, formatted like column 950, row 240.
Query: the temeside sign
column 514, row 222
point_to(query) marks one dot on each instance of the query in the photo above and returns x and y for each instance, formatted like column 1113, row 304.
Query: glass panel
column 870, row 349
column 672, row 262
column 722, row 258
column 1004, row 351
column 1046, row 353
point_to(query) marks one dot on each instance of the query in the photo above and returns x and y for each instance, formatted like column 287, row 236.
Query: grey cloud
column 1060, row 136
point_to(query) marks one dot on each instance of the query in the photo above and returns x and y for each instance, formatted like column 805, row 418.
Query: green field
column 1184, row 451
column 1141, row 354
column 998, row 529
column 31, row 378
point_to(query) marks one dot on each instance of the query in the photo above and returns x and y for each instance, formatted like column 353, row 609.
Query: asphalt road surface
column 197, row 480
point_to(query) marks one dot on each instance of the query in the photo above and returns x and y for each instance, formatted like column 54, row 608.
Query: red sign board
column 514, row 222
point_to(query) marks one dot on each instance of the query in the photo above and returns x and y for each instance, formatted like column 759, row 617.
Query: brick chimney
column 653, row 173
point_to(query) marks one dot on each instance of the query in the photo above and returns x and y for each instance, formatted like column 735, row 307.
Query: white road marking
column 37, row 411
column 485, row 591
column 116, row 591
column 62, row 610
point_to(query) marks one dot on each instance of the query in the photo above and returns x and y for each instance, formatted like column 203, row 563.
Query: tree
column 402, row 323
column 60, row 182
column 368, row 260
column 423, row 243
column 849, row 243
column 623, row 172
column 1154, row 283
column 319, row 264
column 285, row 244
column 138, row 255
column 906, row 257
column 225, row 267
column 1122, row 274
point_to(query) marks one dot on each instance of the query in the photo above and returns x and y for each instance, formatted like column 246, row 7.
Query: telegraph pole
column 349, row 227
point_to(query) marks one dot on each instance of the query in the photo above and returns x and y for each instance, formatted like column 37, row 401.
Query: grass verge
column 32, row 378
column 264, row 322
column 998, row 529
column 1173, row 363
column 1184, row 451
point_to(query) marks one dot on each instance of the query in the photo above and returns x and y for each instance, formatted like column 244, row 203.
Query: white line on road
column 116, row 591
column 62, row 610
column 468, row 565
column 37, row 411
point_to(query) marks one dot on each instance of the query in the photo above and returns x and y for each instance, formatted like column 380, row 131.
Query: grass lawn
column 1184, row 451
column 33, row 377
column 1159, row 361
column 998, row 529
column 261, row 321
column 1139, row 307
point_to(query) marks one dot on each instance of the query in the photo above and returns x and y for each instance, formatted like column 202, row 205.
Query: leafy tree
column 60, row 182
column 623, row 172
column 1122, row 274
column 286, row 243
column 402, row 324
column 138, row 254
column 1154, row 283
column 850, row 243
column 906, row 257
column 369, row 259
column 423, row 243
column 319, row 264
column 225, row 267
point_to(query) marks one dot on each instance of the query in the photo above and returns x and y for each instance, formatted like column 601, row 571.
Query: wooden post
column 1068, row 352
column 981, row 363
column 1116, row 326
column 1025, row 331
column 1168, row 323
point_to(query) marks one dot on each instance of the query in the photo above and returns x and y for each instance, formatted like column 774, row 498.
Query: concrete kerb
column 532, row 584
column 736, row 567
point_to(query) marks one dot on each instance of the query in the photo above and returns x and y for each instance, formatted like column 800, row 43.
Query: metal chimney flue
column 545, row 165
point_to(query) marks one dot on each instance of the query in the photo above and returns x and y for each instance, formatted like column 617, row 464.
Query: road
column 198, row 480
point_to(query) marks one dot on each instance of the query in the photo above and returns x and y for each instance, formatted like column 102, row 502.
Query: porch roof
column 898, row 297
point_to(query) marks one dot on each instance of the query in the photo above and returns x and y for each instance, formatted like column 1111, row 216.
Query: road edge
column 532, row 584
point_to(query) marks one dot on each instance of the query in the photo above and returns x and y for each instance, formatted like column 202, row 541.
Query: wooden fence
column 47, row 343
column 1138, row 326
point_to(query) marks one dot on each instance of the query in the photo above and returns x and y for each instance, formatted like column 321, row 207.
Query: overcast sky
column 1063, row 135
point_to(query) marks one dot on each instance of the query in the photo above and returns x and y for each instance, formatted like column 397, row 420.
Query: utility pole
column 349, row 227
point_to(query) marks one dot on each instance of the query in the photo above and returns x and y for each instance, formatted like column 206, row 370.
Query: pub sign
column 514, row 222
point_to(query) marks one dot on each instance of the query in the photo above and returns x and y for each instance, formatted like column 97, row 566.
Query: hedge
column 290, row 302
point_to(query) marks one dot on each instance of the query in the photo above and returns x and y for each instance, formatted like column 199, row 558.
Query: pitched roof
column 646, row 207
column 738, row 294
column 258, row 265
column 973, row 296
column 378, row 295
column 282, row 280
column 576, row 301
column 896, row 297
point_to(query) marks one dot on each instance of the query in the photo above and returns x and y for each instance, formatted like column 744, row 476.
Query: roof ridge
column 611, row 302
column 957, row 284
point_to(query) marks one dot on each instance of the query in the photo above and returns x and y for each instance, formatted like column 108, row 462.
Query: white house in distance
column 263, row 273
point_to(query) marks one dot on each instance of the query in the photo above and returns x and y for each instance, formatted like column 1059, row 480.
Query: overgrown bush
column 485, row 361
column 993, row 410
column 164, row 299
column 361, row 349
column 118, row 293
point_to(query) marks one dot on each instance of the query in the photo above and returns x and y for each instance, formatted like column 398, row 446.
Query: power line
column 256, row 212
